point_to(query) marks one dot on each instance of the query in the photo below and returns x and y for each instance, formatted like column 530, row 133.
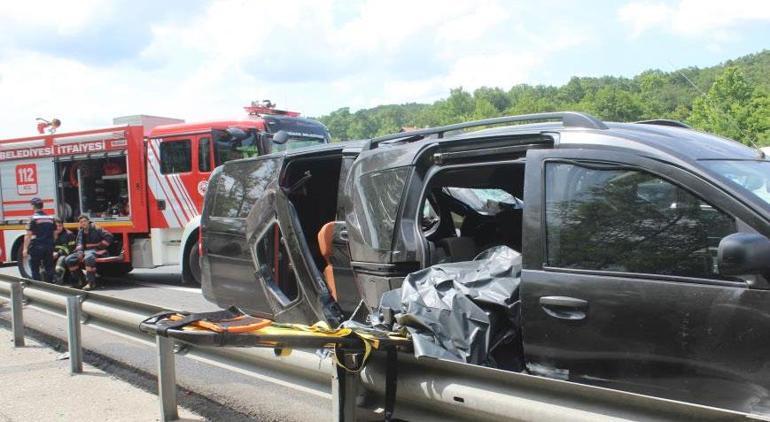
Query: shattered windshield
column 751, row 176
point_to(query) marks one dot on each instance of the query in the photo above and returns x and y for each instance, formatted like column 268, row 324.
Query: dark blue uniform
column 90, row 244
column 42, row 227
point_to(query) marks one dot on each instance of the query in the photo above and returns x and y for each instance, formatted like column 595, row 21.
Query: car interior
column 467, row 210
column 311, row 186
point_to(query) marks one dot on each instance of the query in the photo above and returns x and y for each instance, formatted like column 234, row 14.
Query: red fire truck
column 143, row 180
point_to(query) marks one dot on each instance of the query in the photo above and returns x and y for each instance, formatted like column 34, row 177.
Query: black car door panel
column 621, row 286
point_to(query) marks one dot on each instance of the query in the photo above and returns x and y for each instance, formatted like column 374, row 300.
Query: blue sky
column 87, row 61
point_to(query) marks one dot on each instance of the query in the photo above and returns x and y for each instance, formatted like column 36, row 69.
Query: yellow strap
column 320, row 329
column 367, row 352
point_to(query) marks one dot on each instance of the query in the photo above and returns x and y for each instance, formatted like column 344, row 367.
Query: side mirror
column 280, row 137
column 237, row 133
column 744, row 254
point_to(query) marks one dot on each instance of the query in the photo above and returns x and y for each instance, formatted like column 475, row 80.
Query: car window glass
column 275, row 266
column 484, row 201
column 175, row 156
column 376, row 202
column 204, row 155
column 751, row 176
column 239, row 186
column 629, row 221
column 430, row 219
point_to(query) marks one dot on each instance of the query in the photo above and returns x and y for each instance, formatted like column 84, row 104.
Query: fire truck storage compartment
column 95, row 185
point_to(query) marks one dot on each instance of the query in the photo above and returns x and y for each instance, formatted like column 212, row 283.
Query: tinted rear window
column 240, row 185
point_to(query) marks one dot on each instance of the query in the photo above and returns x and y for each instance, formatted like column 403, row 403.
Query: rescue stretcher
column 351, row 346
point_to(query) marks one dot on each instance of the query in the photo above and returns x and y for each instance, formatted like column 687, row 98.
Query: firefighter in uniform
column 38, row 241
column 64, row 244
column 92, row 242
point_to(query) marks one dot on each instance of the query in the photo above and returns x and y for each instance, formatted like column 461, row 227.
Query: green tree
column 615, row 104
column 573, row 92
column 494, row 96
column 738, row 88
column 362, row 126
column 483, row 109
column 732, row 109
column 338, row 123
column 758, row 121
column 654, row 102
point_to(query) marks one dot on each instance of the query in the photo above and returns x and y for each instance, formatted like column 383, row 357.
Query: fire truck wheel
column 191, row 270
column 22, row 264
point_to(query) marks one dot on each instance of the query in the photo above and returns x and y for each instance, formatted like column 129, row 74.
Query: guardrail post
column 166, row 379
column 345, row 386
column 17, row 316
column 73, row 334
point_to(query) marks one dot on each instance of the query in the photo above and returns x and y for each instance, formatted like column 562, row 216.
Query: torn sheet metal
column 459, row 311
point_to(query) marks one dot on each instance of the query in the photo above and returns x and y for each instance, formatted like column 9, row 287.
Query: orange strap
column 239, row 324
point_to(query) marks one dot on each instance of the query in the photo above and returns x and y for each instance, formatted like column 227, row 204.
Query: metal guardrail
column 455, row 390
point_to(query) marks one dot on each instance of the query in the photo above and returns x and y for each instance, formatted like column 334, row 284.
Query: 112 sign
column 26, row 179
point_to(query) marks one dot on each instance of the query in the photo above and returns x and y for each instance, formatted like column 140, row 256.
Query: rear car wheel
column 191, row 270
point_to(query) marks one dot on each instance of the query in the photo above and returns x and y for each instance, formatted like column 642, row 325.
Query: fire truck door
column 173, row 180
column 23, row 180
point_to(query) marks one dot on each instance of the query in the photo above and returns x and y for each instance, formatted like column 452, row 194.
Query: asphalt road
column 219, row 394
column 216, row 393
column 161, row 286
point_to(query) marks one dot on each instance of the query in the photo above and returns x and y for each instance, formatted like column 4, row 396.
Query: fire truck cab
column 181, row 158
column 143, row 181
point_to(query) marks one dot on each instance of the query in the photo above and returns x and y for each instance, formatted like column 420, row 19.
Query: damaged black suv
column 643, row 247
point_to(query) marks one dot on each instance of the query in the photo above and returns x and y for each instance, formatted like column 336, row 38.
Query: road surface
column 221, row 394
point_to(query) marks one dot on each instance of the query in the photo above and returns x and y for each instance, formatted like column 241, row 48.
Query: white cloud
column 642, row 16
column 714, row 20
column 311, row 56
column 65, row 17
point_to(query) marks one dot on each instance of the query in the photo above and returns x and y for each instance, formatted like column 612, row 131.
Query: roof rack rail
column 568, row 119
column 664, row 122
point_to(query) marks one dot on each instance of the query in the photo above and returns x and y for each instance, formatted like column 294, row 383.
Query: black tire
column 22, row 264
column 191, row 268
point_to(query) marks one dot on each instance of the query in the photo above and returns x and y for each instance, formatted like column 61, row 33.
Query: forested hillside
column 731, row 99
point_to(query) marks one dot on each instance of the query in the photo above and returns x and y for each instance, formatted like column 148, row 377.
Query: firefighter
column 64, row 244
column 92, row 242
column 38, row 241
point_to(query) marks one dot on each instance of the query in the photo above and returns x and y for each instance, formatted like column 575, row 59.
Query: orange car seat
column 325, row 237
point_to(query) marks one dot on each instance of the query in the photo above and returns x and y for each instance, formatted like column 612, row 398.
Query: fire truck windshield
column 297, row 141
column 302, row 132
column 229, row 145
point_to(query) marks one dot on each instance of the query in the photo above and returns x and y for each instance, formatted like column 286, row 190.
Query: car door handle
column 564, row 307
